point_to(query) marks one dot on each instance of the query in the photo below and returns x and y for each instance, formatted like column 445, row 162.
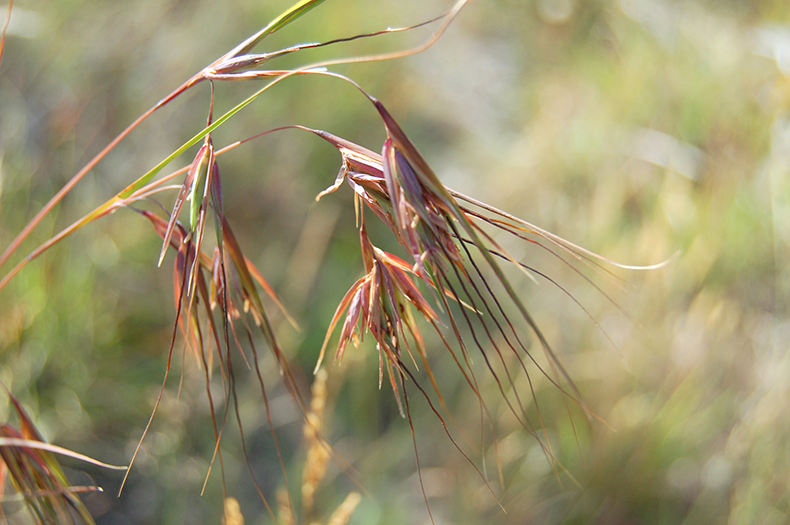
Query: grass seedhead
column 450, row 278
column 37, row 476
column 318, row 453
column 457, row 259
column 343, row 513
column 233, row 515
column 226, row 279
column 378, row 303
column 192, row 190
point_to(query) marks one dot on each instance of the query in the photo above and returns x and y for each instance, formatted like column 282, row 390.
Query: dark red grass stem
column 504, row 336
column 161, row 392
column 446, row 430
column 526, row 423
column 269, row 418
column 417, row 454
column 560, row 287
column 244, row 450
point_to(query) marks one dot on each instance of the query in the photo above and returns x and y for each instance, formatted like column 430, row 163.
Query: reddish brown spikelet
column 199, row 165
column 38, row 477
column 378, row 303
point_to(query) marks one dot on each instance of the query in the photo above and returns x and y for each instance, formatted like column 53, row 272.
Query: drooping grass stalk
column 202, row 169
column 231, row 62
column 286, row 17
column 426, row 220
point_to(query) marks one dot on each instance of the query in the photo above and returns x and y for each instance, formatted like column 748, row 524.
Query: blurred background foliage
column 635, row 128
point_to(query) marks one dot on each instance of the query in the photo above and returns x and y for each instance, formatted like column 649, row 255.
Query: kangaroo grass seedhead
column 37, row 476
column 225, row 67
column 225, row 279
column 451, row 277
column 457, row 259
column 242, row 296
column 379, row 303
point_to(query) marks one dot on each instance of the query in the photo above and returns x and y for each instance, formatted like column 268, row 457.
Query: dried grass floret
column 451, row 274
column 37, row 476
